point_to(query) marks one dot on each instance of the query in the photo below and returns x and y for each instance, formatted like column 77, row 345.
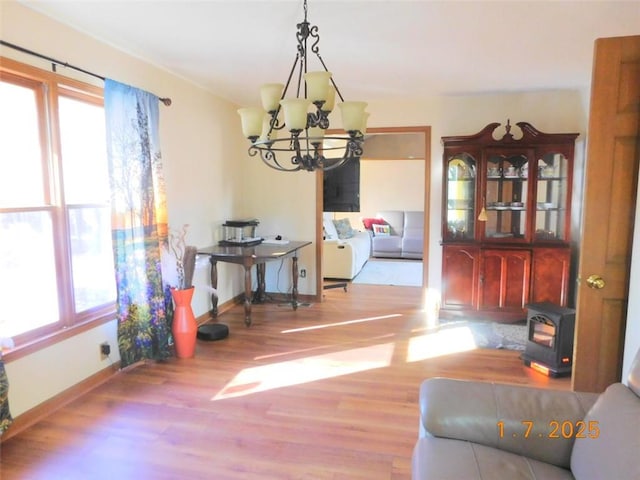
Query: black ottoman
column 212, row 331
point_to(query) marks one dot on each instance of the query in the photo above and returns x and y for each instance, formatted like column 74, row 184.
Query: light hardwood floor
column 327, row 392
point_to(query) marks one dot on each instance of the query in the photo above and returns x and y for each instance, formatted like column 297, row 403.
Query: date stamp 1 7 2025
column 553, row 429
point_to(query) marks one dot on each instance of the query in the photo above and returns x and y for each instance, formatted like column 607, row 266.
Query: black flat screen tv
column 342, row 188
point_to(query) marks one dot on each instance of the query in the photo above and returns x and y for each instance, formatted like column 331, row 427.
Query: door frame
column 426, row 130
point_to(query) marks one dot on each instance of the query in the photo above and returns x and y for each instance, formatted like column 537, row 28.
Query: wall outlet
column 105, row 350
column 303, row 273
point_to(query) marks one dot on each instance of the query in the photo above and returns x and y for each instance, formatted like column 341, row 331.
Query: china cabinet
column 506, row 216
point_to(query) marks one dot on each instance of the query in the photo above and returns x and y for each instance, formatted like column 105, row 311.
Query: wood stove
column 549, row 348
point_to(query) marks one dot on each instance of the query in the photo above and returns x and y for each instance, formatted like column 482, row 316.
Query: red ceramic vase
column 184, row 327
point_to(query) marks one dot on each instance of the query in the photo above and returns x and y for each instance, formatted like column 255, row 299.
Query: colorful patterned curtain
column 5, row 414
column 139, row 223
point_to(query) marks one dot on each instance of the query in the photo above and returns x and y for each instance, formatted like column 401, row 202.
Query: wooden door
column 608, row 215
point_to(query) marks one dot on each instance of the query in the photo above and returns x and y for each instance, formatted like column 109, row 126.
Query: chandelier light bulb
column 317, row 85
column 352, row 115
column 315, row 135
column 270, row 94
column 252, row 119
column 268, row 133
column 295, row 113
column 365, row 118
column 331, row 99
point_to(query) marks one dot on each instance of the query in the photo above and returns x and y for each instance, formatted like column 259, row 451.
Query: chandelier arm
column 253, row 151
column 330, row 166
column 302, row 34
column 324, row 65
column 313, row 120
column 277, row 127
column 306, row 149
column 306, row 161
column 296, row 159
column 313, row 33
column 272, row 144
column 354, row 145
column 270, row 160
column 302, row 56
column 301, row 71
column 274, row 124
column 352, row 151
column 293, row 69
column 319, row 118
column 323, row 121
column 349, row 155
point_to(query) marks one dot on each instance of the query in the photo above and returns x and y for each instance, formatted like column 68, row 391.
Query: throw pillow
column 381, row 230
column 330, row 232
column 370, row 222
column 343, row 226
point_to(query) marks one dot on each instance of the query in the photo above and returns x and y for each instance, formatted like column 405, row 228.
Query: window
column 56, row 260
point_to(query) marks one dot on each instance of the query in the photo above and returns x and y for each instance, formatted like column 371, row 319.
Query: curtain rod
column 166, row 101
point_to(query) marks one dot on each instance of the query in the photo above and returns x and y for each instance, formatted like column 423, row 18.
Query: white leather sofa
column 476, row 430
column 344, row 258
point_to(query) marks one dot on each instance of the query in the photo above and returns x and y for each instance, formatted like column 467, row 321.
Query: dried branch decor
column 185, row 256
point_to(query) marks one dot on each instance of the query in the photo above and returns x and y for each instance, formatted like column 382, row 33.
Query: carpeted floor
column 492, row 334
column 376, row 271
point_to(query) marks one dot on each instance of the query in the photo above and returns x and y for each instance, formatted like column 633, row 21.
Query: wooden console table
column 248, row 256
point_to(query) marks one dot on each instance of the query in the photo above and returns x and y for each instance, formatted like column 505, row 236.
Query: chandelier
column 306, row 116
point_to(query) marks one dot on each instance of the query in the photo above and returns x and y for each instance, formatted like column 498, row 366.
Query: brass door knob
column 595, row 281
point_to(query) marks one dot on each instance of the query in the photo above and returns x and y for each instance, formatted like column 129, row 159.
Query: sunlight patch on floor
column 305, row 351
column 440, row 342
column 339, row 324
column 307, row 369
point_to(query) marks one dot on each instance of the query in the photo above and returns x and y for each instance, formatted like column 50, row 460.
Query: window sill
column 53, row 338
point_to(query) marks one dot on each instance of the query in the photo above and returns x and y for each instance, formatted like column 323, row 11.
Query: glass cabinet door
column 505, row 197
column 461, row 191
column 551, row 197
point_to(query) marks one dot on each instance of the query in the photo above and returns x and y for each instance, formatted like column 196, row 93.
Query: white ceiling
column 375, row 49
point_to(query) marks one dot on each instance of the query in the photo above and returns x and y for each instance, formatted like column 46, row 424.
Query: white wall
column 284, row 203
column 200, row 144
column 632, row 337
column 391, row 185
column 388, row 185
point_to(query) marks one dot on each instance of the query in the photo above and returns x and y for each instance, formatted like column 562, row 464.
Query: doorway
column 425, row 133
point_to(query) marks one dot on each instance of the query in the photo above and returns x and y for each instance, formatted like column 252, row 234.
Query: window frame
column 52, row 86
